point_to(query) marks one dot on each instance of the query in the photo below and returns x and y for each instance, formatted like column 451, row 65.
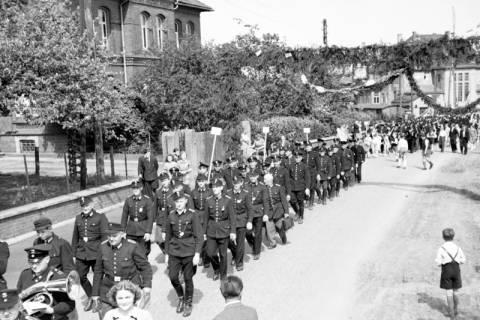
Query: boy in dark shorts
column 449, row 257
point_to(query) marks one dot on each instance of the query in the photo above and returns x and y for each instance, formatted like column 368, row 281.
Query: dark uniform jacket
column 358, row 153
column 61, row 254
column 336, row 159
column 228, row 175
column 281, row 177
column 199, row 200
column 242, row 205
column 62, row 305
column 299, row 175
column 219, row 217
column 162, row 204
column 4, row 255
column 287, row 162
column 88, row 232
column 311, row 160
column 258, row 197
column 325, row 167
column 148, row 168
column 127, row 261
column 137, row 215
column 183, row 234
column 347, row 160
column 277, row 201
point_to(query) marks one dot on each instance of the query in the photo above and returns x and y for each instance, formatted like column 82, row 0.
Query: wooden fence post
column 37, row 162
column 29, row 190
column 66, row 172
column 112, row 163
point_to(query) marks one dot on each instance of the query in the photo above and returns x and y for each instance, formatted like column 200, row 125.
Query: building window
column 190, row 29
column 462, row 83
column 376, row 98
column 144, row 24
column 104, row 23
column 27, row 146
column 161, row 31
column 178, row 32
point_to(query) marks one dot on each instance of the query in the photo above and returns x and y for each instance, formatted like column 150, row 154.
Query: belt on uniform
column 135, row 219
column 87, row 239
column 117, row 278
column 219, row 220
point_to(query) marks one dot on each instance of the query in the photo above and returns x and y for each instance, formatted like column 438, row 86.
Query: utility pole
column 325, row 33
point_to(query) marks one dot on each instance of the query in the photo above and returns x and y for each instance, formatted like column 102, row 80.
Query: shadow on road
column 427, row 188
column 173, row 299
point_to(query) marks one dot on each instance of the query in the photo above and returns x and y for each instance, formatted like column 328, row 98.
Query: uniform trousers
column 314, row 188
column 204, row 255
column 141, row 242
column 453, row 144
column 463, row 146
column 217, row 247
column 254, row 236
column 323, row 184
column 347, row 178
column 184, row 264
column 332, row 183
column 297, row 202
column 358, row 172
column 272, row 226
column 83, row 267
column 238, row 249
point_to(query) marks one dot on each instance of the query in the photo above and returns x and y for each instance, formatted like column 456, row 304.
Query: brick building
column 135, row 31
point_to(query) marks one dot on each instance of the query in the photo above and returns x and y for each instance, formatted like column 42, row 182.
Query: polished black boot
column 180, row 305
column 188, row 308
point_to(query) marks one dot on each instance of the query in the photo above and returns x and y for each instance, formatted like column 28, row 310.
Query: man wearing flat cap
column 119, row 259
column 258, row 197
column 89, row 230
column 299, row 176
column 61, row 253
column 40, row 271
column 9, row 305
column 183, row 243
column 219, row 228
column 137, row 217
column 147, row 172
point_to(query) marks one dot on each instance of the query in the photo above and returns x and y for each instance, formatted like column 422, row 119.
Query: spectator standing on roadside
column 402, row 152
column 231, row 290
column 464, row 138
column 442, row 136
column 170, row 163
column 426, row 152
column 449, row 257
column 453, row 138
column 147, row 172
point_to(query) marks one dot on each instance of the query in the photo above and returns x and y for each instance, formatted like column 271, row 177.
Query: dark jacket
column 242, row 205
column 277, row 201
column 4, row 255
column 148, row 168
column 162, row 204
column 299, row 176
column 88, row 232
column 137, row 215
column 61, row 254
column 219, row 217
column 183, row 234
column 125, row 262
column 325, row 168
column 258, row 197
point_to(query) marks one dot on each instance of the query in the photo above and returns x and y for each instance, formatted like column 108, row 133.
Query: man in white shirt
column 402, row 152
column 449, row 257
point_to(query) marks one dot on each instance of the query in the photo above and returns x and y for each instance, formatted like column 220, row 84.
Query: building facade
column 136, row 31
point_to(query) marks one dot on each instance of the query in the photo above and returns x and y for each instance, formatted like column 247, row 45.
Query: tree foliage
column 59, row 73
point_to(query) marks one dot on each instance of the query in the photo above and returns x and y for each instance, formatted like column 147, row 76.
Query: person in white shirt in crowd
column 402, row 152
column 367, row 141
column 376, row 141
column 449, row 258
column 442, row 137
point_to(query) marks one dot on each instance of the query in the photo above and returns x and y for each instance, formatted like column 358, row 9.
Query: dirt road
column 366, row 255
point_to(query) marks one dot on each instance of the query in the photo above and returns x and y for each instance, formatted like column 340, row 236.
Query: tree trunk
column 99, row 154
column 83, row 160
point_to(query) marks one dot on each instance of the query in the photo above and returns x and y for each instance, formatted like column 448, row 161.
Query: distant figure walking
column 449, row 257
column 231, row 290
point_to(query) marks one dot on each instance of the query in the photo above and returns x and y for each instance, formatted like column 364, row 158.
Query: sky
column 350, row 22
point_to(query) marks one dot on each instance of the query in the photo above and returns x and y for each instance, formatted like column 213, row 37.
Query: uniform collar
column 88, row 214
column 137, row 198
column 181, row 212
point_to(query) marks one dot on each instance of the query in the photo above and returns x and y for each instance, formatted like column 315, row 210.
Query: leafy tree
column 61, row 75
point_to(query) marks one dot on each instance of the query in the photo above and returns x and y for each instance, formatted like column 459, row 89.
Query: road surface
column 344, row 262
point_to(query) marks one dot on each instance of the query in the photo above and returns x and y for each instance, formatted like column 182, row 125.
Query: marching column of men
column 231, row 207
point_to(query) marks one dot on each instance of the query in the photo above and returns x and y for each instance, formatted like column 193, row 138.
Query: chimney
column 414, row 36
column 399, row 37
